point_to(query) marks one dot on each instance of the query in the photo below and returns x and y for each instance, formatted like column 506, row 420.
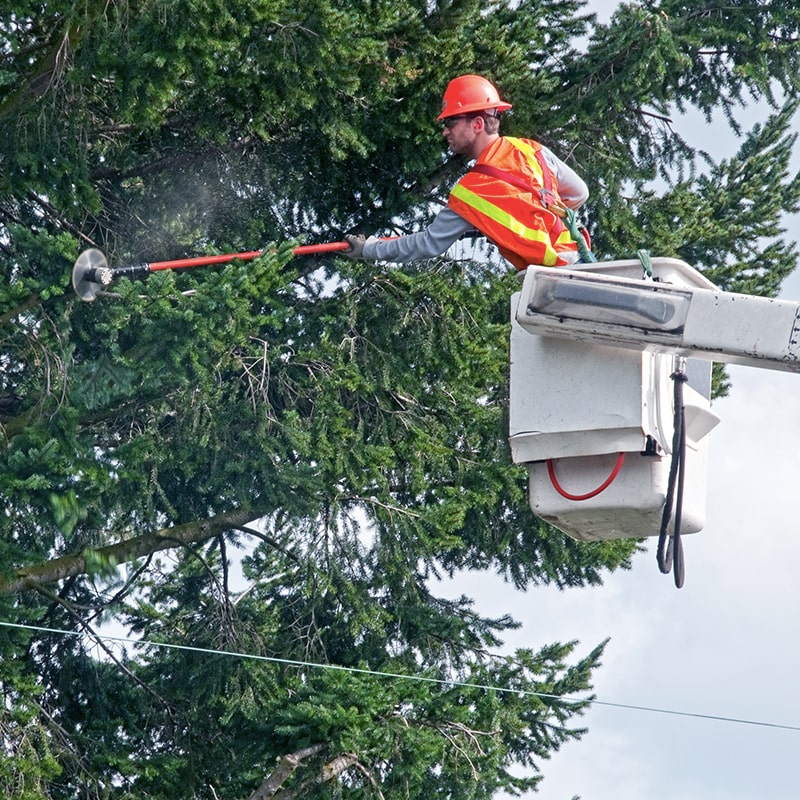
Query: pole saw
column 91, row 273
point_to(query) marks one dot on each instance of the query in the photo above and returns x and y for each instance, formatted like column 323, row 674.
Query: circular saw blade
column 90, row 274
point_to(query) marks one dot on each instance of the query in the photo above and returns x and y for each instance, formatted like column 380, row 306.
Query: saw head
column 91, row 274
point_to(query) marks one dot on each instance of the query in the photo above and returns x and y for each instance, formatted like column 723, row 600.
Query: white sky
column 722, row 645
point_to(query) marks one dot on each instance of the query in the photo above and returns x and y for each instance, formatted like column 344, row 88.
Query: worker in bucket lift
column 516, row 194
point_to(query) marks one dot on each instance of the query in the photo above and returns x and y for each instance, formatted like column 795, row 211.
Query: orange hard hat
column 470, row 93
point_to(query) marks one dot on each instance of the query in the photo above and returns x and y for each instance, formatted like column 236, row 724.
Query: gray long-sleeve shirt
column 447, row 226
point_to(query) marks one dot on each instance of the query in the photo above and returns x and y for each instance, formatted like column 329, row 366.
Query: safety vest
column 511, row 196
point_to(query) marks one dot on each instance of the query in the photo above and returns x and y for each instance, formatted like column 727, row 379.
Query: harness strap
column 503, row 175
column 548, row 197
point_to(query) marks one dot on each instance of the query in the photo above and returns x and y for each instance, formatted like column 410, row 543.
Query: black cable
column 678, row 566
column 672, row 556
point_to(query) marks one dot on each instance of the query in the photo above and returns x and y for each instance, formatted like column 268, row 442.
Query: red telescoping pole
column 199, row 261
column 91, row 272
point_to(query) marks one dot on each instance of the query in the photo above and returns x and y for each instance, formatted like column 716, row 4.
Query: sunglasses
column 450, row 122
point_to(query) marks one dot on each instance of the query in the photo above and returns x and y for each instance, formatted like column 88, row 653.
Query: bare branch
column 273, row 543
column 100, row 643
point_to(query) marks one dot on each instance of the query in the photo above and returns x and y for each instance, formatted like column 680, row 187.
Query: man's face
column 459, row 134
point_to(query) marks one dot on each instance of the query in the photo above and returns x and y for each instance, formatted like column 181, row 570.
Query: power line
column 399, row 676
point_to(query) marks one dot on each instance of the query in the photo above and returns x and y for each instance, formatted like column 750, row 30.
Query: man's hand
column 356, row 246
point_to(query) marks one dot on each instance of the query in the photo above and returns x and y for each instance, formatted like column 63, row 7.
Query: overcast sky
column 723, row 645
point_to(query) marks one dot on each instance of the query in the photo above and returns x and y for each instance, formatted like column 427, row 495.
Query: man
column 516, row 194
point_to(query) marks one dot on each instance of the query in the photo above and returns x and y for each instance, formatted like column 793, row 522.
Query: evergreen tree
column 337, row 428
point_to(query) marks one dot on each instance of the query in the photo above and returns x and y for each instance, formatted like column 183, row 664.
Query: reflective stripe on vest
column 508, row 221
column 524, row 230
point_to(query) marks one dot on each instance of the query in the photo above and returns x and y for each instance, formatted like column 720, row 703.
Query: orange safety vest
column 511, row 196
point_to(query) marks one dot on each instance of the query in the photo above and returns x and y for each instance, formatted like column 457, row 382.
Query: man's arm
column 447, row 227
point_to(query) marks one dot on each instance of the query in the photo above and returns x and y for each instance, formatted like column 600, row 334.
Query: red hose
column 603, row 486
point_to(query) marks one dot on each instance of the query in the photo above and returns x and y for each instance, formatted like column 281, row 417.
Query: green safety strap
column 572, row 226
column 647, row 266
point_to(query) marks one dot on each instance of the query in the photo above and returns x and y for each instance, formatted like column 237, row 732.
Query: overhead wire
column 399, row 676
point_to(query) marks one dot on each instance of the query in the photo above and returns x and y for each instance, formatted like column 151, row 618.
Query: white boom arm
column 679, row 312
